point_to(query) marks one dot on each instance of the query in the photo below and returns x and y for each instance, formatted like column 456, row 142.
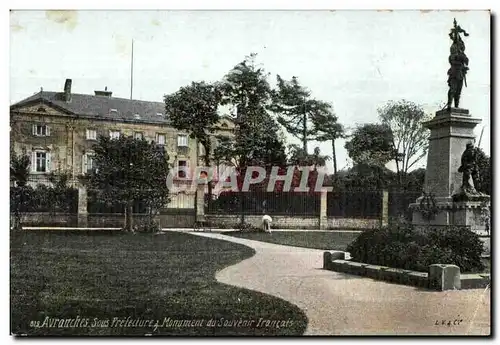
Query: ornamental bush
column 402, row 246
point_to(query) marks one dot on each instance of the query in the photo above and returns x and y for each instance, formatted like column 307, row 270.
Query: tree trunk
column 128, row 217
column 398, row 173
column 17, row 221
column 17, row 212
column 304, row 131
column 334, row 158
column 209, row 178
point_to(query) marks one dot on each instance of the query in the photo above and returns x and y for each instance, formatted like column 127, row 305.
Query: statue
column 458, row 65
column 468, row 170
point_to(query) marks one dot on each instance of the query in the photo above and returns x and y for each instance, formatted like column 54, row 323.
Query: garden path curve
column 341, row 304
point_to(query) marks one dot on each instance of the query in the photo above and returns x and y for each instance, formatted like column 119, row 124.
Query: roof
column 101, row 106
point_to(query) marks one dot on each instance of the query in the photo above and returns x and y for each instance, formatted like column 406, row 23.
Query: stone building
column 58, row 130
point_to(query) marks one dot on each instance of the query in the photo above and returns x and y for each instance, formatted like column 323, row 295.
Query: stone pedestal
column 384, row 220
column 82, row 207
column 200, row 202
column 323, row 215
column 451, row 130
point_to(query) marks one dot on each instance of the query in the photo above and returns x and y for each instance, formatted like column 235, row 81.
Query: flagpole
column 132, row 70
column 480, row 137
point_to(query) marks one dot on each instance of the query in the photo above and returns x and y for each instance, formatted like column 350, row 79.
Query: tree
column 365, row 177
column 483, row 181
column 193, row 108
column 371, row 144
column 326, row 127
column 415, row 180
column 129, row 170
column 295, row 109
column 299, row 157
column 61, row 196
column 20, row 192
column 410, row 138
column 256, row 139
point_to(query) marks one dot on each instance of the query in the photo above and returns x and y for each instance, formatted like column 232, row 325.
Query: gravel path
column 340, row 304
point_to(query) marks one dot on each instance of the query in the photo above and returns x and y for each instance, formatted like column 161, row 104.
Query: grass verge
column 328, row 240
column 97, row 280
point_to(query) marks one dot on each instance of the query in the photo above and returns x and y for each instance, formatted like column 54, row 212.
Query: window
column 137, row 116
column 182, row 140
column 181, row 169
column 41, row 130
column 114, row 134
column 88, row 163
column 40, row 161
column 91, row 134
column 159, row 114
column 160, row 139
column 138, row 135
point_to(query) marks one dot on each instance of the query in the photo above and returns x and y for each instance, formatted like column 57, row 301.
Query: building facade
column 58, row 131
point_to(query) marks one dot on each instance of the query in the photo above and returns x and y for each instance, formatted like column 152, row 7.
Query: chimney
column 104, row 93
column 67, row 90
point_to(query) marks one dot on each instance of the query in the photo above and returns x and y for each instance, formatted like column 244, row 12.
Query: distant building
column 58, row 129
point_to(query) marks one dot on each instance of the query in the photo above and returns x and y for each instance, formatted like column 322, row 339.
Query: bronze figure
column 458, row 65
column 468, row 170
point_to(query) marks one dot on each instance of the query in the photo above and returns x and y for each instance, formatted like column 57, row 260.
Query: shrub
column 147, row 225
column 402, row 246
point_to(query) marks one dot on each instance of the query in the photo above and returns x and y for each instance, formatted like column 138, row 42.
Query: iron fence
column 43, row 194
column 399, row 203
column 178, row 203
column 354, row 204
column 251, row 203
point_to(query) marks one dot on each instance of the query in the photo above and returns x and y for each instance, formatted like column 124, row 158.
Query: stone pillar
column 323, row 215
column 200, row 202
column 384, row 219
column 444, row 277
column 451, row 130
column 82, row 207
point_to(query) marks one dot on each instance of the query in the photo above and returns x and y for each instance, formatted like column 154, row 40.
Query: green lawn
column 328, row 240
column 97, row 277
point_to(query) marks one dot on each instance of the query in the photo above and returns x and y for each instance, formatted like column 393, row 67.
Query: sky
column 355, row 60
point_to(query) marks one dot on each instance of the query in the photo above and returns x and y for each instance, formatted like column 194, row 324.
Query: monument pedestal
column 451, row 130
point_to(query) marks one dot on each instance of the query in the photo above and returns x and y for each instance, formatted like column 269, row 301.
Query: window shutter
column 47, row 131
column 188, row 173
column 84, row 164
column 34, row 129
column 33, row 161
column 47, row 161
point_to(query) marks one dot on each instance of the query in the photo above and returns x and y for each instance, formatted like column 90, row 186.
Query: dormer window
column 159, row 114
column 113, row 111
column 137, row 116
column 41, row 110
